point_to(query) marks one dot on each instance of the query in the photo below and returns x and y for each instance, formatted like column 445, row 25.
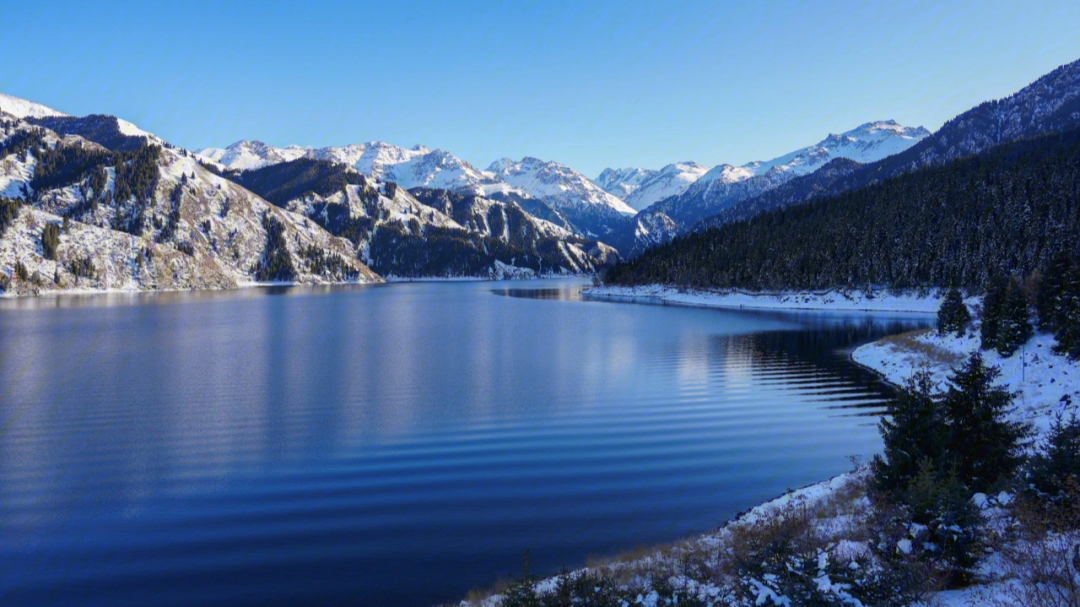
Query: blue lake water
column 396, row 444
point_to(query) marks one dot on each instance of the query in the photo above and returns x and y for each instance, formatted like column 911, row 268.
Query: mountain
column 1007, row 211
column 725, row 185
column 582, row 205
column 425, row 232
column 408, row 167
column 145, row 218
column 622, row 182
column 109, row 131
column 247, row 155
column 640, row 188
column 21, row 108
column 643, row 232
column 591, row 210
column 1050, row 104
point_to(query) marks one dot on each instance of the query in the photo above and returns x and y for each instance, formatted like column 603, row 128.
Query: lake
column 396, row 444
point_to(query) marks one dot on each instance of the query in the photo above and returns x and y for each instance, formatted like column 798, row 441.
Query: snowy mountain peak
column 21, row 108
column 640, row 188
column 556, row 184
column 868, row 142
column 251, row 154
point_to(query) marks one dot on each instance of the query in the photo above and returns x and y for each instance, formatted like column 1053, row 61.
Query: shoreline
column 830, row 300
column 1041, row 379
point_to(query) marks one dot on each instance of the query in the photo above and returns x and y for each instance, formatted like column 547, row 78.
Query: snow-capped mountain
column 446, row 234
column 643, row 187
column 590, row 209
column 622, row 182
column 248, row 155
column 149, row 218
column 586, row 206
column 866, row 143
column 21, row 108
column 646, row 230
column 555, row 183
column 725, row 185
column 424, row 232
column 408, row 167
column 1051, row 103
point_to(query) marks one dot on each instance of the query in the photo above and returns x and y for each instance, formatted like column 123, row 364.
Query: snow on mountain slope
column 672, row 180
column 247, row 155
column 408, row 167
column 866, row 143
column 640, row 188
column 556, row 184
column 440, row 169
column 438, row 233
column 21, row 108
column 622, row 182
column 208, row 231
column 1051, row 103
column 725, row 185
column 497, row 219
column 113, row 260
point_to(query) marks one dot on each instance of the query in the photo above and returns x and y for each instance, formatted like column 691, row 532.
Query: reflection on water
column 558, row 294
column 311, row 444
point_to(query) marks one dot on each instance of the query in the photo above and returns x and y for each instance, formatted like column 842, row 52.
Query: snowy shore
column 854, row 301
column 1045, row 384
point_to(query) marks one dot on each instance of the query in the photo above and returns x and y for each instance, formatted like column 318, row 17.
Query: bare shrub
column 1040, row 554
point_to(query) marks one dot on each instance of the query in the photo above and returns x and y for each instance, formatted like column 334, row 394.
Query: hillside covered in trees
column 1005, row 212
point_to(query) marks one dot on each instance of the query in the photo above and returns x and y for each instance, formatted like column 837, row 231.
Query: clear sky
column 590, row 84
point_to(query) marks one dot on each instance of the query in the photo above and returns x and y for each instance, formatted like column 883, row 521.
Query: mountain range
column 138, row 212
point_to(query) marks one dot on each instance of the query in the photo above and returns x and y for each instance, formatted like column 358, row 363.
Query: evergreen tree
column 953, row 315
column 1067, row 329
column 50, row 240
column 993, row 307
column 1014, row 324
column 914, row 433
column 1057, row 464
column 984, row 446
column 1051, row 289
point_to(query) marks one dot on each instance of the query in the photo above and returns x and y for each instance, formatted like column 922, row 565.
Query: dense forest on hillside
column 280, row 183
column 1006, row 212
column 101, row 129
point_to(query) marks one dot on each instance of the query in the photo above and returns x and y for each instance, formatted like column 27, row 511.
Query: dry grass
column 909, row 342
column 479, row 595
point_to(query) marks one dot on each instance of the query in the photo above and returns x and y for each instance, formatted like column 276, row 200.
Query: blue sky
column 590, row 84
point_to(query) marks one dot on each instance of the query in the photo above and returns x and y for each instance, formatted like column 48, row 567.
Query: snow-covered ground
column 1045, row 383
column 855, row 300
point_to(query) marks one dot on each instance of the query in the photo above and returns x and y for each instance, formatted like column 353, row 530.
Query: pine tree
column 914, row 432
column 50, row 240
column 1014, row 325
column 953, row 315
column 992, row 311
column 1067, row 329
column 984, row 445
column 1057, row 463
column 1051, row 288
